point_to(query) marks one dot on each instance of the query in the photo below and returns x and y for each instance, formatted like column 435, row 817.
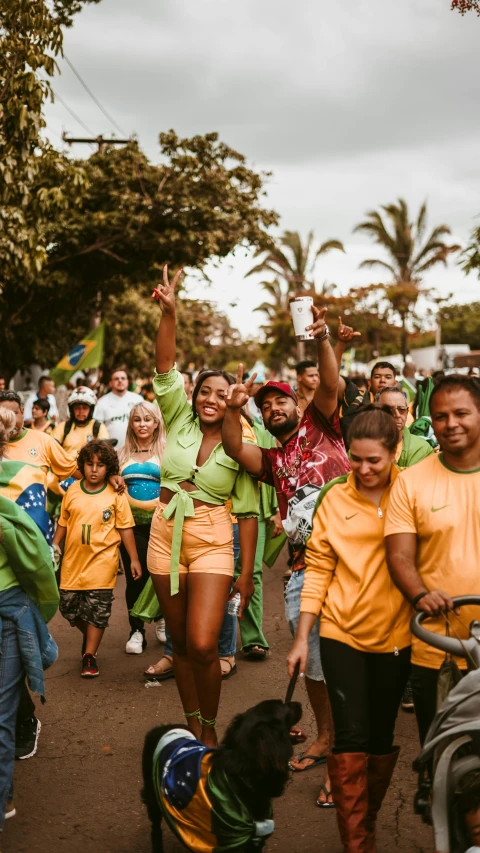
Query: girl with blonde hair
column 140, row 465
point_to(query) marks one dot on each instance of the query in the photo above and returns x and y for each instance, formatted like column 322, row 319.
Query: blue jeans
column 12, row 676
column 293, row 594
column 227, row 641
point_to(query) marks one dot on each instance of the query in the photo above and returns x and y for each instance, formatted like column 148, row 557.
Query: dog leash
column 292, row 683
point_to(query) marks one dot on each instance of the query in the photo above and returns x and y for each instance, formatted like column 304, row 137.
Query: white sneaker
column 10, row 810
column 160, row 631
column 135, row 644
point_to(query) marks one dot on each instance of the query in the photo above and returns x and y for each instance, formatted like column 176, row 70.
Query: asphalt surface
column 81, row 792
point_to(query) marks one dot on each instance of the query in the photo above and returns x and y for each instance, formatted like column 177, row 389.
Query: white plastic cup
column 302, row 316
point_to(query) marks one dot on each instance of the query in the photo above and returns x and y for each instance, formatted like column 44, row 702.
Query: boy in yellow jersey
column 432, row 530
column 95, row 519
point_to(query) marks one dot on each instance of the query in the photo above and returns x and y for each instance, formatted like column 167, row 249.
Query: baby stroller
column 452, row 745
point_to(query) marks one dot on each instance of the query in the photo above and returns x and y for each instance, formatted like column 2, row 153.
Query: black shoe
column 89, row 667
column 26, row 738
column 407, row 698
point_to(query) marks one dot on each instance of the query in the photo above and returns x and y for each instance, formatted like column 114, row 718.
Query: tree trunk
column 404, row 338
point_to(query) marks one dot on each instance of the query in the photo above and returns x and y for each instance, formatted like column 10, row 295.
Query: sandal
column 326, row 804
column 255, row 653
column 227, row 673
column 153, row 673
column 317, row 761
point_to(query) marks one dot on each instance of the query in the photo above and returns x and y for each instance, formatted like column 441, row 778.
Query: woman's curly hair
column 105, row 453
column 7, row 428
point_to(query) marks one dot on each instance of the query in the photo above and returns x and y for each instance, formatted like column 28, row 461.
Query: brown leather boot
column 379, row 770
column 349, row 781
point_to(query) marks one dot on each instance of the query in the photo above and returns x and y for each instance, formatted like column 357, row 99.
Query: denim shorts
column 293, row 593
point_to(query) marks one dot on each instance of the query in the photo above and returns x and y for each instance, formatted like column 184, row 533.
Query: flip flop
column 326, row 804
column 256, row 653
column 317, row 761
column 161, row 676
column 230, row 672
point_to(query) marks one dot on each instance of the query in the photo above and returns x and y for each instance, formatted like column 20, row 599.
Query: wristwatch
column 325, row 336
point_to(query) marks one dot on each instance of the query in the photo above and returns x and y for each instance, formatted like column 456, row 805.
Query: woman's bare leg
column 174, row 608
column 207, row 595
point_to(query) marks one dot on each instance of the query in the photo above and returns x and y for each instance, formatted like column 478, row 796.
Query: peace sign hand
column 238, row 394
column 346, row 333
column 165, row 293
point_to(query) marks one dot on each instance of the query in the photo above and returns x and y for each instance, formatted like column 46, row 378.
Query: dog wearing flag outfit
column 219, row 800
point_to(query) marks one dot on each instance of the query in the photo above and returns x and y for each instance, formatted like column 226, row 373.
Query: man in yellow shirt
column 432, row 529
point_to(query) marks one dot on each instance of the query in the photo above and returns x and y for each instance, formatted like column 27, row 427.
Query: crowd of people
column 199, row 480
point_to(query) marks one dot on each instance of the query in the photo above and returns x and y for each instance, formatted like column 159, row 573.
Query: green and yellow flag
column 87, row 353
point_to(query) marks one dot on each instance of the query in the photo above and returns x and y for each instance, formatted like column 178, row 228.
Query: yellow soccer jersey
column 442, row 507
column 93, row 521
column 75, row 440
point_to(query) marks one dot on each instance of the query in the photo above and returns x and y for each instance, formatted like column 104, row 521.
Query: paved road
column 80, row 793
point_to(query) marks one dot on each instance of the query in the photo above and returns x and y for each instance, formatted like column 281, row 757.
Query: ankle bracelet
column 211, row 723
column 190, row 714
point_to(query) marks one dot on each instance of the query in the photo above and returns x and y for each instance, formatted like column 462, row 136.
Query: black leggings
column 133, row 587
column 365, row 690
column 424, row 688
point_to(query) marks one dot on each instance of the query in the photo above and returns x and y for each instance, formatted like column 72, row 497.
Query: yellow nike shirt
column 442, row 507
column 93, row 521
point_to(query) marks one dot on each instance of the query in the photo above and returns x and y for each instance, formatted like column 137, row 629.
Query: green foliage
column 409, row 255
column 31, row 39
column 461, row 324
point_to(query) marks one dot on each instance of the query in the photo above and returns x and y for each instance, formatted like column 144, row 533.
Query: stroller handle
column 449, row 644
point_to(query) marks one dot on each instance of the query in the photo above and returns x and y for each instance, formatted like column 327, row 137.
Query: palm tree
column 410, row 254
column 293, row 265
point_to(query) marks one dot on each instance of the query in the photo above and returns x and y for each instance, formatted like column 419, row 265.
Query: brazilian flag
column 87, row 353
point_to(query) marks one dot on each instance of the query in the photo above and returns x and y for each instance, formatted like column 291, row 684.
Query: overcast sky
column 350, row 104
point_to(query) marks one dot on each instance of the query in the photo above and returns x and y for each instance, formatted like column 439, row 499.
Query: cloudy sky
column 350, row 104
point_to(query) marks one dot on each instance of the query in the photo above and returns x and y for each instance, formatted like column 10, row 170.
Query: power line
column 79, row 120
column 99, row 105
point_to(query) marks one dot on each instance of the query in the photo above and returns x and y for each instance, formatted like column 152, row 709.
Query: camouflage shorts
column 91, row 605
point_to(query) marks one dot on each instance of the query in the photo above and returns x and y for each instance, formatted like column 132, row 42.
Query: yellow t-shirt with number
column 92, row 519
column 442, row 507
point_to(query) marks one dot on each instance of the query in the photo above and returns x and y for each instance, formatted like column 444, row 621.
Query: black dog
column 249, row 769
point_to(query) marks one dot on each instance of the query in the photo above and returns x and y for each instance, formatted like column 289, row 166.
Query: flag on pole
column 87, row 353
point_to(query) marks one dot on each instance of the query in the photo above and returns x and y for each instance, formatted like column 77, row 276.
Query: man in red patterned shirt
column 311, row 454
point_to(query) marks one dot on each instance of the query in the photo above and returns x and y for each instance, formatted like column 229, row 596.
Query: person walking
column 113, row 409
column 410, row 448
column 311, row 454
column 140, row 465
column 364, row 626
column 46, row 391
column 190, row 554
column 433, row 531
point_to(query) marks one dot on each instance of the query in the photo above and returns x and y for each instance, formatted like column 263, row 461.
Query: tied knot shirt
column 347, row 578
column 142, row 480
column 441, row 506
column 217, row 480
column 92, row 519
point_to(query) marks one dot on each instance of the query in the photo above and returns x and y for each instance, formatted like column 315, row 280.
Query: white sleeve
column 53, row 411
column 98, row 413
column 27, row 413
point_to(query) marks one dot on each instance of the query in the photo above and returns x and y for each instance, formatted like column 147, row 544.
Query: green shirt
column 217, row 480
column 414, row 449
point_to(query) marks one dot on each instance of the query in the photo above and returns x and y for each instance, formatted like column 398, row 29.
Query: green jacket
column 414, row 449
column 25, row 558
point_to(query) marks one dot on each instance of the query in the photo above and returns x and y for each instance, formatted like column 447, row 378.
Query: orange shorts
column 207, row 542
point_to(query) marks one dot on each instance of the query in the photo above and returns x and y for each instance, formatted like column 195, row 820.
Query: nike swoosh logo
column 348, row 517
column 438, row 508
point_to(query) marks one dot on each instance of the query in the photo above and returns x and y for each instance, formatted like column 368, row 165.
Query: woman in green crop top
column 190, row 556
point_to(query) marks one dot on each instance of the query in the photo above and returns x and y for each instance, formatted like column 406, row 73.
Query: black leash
column 292, row 683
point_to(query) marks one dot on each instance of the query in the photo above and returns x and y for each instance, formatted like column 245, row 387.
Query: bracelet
column 417, row 598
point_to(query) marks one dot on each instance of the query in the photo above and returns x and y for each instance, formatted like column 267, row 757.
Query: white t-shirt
column 113, row 411
column 53, row 412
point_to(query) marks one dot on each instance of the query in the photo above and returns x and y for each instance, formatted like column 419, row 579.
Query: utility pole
column 98, row 140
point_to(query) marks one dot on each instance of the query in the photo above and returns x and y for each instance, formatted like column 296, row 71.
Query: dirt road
column 80, row 793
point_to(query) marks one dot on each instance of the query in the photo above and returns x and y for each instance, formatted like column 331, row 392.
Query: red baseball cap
column 281, row 387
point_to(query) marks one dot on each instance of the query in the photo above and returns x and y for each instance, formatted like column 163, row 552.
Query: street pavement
column 81, row 792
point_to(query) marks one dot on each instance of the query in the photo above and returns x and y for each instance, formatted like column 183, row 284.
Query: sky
column 349, row 104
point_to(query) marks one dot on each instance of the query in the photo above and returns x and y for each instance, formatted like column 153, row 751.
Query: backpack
column 69, row 425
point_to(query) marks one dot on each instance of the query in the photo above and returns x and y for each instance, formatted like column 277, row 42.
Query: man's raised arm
column 249, row 456
column 326, row 395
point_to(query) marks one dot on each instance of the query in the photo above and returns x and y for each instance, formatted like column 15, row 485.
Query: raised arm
column 249, row 456
column 165, row 345
column 345, row 335
column 326, row 395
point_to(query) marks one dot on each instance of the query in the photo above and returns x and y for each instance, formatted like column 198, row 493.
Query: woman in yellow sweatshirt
column 364, row 626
